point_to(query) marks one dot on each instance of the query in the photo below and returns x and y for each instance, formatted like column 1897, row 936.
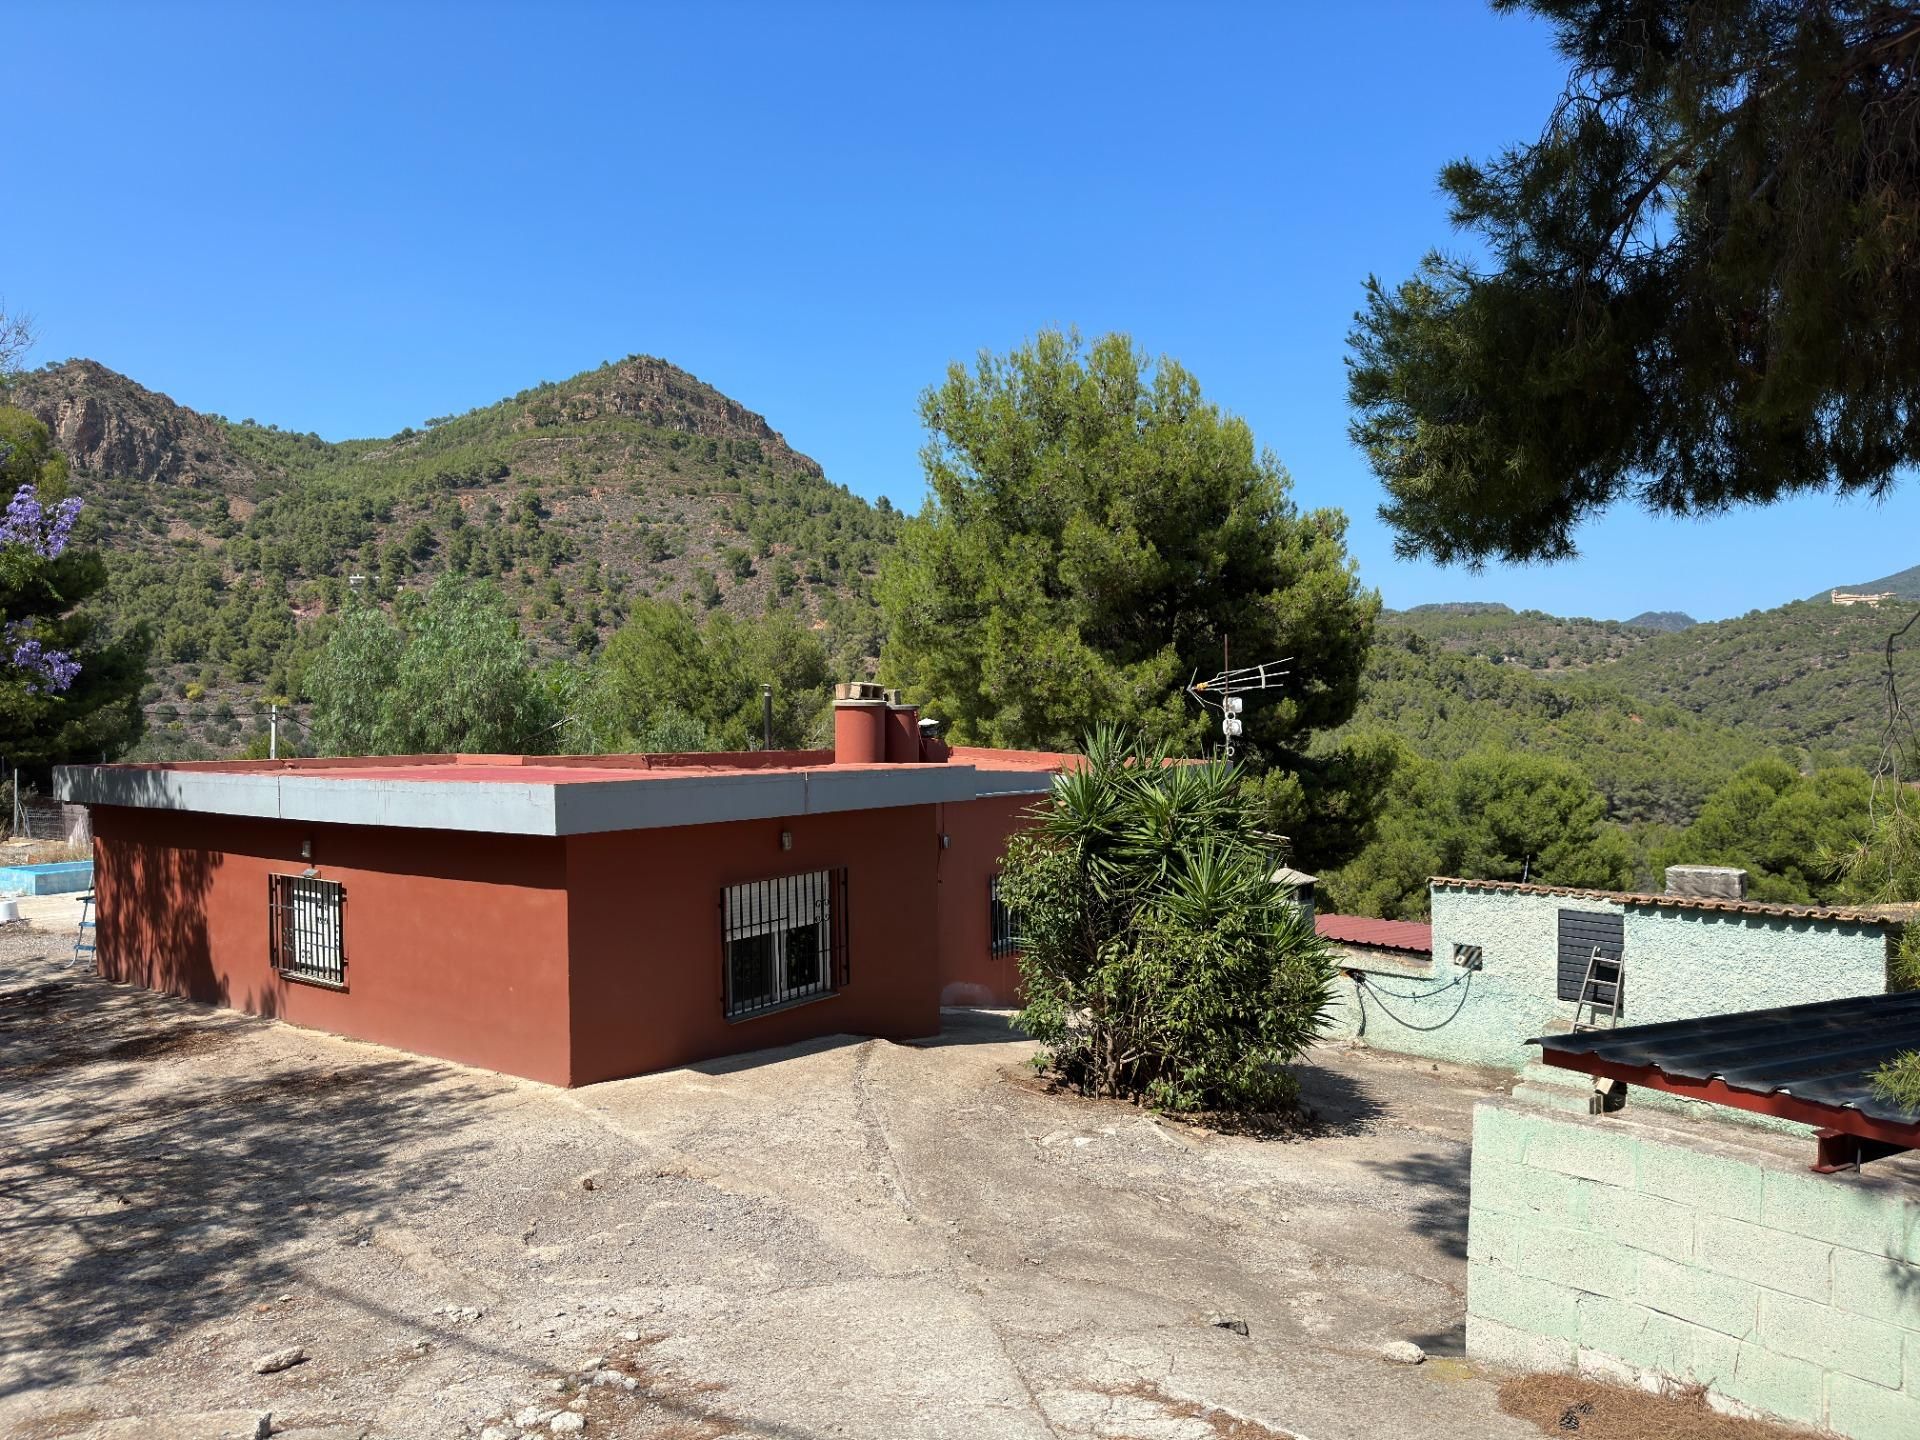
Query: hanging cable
column 1464, row 980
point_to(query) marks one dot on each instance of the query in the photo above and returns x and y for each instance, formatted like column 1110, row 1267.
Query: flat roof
column 552, row 795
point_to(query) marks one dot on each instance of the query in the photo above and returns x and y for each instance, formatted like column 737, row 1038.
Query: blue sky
column 348, row 219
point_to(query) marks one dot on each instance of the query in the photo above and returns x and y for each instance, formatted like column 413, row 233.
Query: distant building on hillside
column 1860, row 597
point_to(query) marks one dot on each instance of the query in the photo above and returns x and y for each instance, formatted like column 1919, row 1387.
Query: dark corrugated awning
column 1804, row 1062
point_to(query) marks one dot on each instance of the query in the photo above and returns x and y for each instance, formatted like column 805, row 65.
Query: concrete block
column 1880, row 1289
column 1645, row 1222
column 1841, row 1210
column 1768, row 1383
column 1769, row 1258
column 1521, row 1190
column 1491, row 1343
column 1557, row 1099
column 1636, row 1335
column 1720, row 1184
column 1556, row 1077
column 1494, row 1236
column 1831, row 1338
column 1864, row 1411
column 1587, row 1150
column 1524, row 1302
column 1718, row 1302
column 1578, row 1259
column 1500, row 1133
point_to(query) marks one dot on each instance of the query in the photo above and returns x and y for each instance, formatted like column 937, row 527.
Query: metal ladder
column 83, row 937
column 1600, row 991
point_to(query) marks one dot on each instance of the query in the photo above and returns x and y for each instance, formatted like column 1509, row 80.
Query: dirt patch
column 1295, row 1124
column 1565, row 1405
column 1224, row 1424
column 660, row 1405
column 180, row 1040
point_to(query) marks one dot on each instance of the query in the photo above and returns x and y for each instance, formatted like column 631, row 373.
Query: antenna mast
column 1225, row 692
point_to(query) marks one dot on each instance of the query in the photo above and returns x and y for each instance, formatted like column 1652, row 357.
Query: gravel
column 856, row 1239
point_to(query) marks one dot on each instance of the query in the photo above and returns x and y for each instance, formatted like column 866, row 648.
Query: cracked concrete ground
column 845, row 1239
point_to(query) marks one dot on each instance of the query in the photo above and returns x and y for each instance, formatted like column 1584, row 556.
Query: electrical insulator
column 1235, row 704
column 1231, row 725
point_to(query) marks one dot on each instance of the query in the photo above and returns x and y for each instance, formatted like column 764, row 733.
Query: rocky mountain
column 235, row 543
column 108, row 425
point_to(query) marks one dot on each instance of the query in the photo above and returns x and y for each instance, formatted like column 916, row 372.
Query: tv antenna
column 1225, row 692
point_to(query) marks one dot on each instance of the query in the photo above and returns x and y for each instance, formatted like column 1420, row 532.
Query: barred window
column 1002, row 926
column 304, row 929
column 783, row 941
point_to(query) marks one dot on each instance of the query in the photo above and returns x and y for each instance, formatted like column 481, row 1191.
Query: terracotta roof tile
column 1888, row 915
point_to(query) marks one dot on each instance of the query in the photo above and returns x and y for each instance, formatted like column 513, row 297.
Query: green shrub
column 1161, row 964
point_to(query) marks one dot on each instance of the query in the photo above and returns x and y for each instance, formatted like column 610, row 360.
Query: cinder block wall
column 1637, row 1252
column 1679, row 963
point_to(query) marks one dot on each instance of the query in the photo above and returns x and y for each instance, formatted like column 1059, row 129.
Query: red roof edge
column 1412, row 936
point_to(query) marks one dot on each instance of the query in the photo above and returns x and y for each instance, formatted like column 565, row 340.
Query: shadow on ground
column 1440, row 1214
column 130, row 1209
column 1336, row 1103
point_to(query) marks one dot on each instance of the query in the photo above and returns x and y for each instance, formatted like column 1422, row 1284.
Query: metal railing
column 304, row 926
column 1003, row 927
column 783, row 941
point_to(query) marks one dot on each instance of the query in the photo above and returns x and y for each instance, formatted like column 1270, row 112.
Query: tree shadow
column 128, row 1212
column 1440, row 1210
column 1333, row 1102
column 150, row 907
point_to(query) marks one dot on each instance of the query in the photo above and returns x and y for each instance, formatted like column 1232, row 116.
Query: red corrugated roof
column 1409, row 935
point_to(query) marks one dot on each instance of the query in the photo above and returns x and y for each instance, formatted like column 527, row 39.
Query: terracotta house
column 572, row 919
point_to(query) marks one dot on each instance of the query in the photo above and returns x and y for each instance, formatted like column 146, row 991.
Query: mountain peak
column 108, row 424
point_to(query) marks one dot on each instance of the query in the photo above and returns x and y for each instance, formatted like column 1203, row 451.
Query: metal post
column 273, row 731
column 766, row 714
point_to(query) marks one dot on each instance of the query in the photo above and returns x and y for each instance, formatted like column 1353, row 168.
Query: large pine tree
column 1699, row 287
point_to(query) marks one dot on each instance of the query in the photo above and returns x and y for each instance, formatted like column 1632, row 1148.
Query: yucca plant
column 1160, row 962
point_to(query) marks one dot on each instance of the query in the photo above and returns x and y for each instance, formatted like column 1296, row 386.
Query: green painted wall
column 1679, row 963
column 1636, row 1252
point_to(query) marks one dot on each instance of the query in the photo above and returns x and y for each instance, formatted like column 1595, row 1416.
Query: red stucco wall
column 568, row 961
column 970, row 974
column 644, row 912
column 455, row 943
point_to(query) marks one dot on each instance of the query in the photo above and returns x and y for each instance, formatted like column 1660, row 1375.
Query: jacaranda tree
column 68, row 691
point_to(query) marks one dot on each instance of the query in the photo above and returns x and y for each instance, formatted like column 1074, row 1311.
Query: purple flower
column 47, row 671
column 27, row 523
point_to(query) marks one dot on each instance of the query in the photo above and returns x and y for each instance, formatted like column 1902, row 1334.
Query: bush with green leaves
column 1161, row 964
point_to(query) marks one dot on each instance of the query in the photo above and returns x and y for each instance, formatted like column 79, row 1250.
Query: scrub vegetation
column 1161, row 964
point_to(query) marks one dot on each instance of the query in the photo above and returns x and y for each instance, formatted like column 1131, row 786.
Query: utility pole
column 273, row 730
column 766, row 715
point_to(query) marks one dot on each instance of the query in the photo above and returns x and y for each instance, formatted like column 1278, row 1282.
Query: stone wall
column 1697, row 1254
column 1679, row 963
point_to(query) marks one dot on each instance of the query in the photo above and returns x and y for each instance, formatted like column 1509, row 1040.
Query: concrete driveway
column 851, row 1239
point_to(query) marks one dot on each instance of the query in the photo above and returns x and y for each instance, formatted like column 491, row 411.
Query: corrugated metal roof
column 1887, row 915
column 1409, row 935
column 1819, row 1054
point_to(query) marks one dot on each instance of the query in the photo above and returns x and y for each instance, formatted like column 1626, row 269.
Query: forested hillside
column 1650, row 761
column 1805, row 678
column 235, row 543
